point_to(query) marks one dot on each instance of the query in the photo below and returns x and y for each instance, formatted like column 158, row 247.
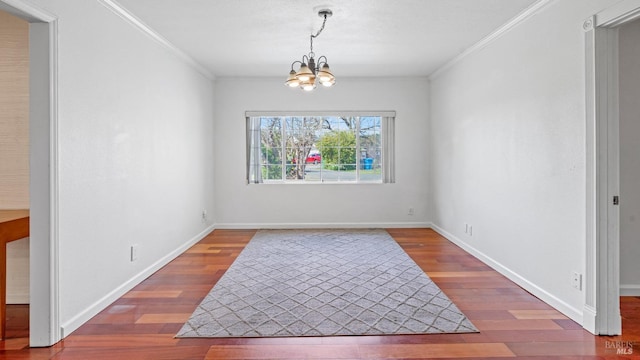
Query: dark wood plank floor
column 512, row 322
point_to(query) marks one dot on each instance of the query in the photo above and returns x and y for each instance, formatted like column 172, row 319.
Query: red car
column 314, row 158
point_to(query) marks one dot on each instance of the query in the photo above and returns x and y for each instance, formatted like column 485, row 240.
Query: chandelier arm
column 321, row 62
column 293, row 63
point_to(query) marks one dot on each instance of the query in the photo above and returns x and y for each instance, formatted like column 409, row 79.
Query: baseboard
column 75, row 322
column 629, row 290
column 568, row 310
column 322, row 225
column 589, row 319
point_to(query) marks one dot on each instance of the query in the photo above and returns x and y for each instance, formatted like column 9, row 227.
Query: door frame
column 44, row 319
column 601, row 313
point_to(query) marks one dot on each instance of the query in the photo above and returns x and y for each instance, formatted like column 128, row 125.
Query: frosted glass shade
column 292, row 81
column 304, row 74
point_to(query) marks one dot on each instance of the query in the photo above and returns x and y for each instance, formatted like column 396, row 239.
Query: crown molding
column 524, row 15
column 26, row 11
column 140, row 25
column 618, row 14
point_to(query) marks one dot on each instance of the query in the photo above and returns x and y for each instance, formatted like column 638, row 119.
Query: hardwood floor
column 512, row 322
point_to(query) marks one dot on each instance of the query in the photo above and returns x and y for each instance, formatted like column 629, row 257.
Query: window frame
column 387, row 145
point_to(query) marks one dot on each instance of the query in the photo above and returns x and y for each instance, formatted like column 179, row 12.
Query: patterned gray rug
column 322, row 283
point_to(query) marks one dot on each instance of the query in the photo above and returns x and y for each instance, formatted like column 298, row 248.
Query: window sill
column 308, row 183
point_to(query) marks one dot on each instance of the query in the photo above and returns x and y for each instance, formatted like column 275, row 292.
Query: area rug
column 324, row 283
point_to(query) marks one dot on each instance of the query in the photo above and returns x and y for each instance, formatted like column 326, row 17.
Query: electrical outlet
column 470, row 230
column 134, row 252
column 410, row 211
column 204, row 215
column 466, row 228
column 576, row 280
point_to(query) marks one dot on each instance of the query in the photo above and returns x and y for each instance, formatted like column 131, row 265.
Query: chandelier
column 311, row 72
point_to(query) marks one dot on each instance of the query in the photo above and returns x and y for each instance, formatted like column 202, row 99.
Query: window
column 319, row 148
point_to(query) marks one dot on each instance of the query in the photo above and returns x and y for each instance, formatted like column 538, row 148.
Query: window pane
column 295, row 172
column 370, row 148
column 348, row 158
column 347, row 175
column 314, row 173
column 371, row 169
column 271, row 140
column 333, row 123
column 271, row 155
column 271, row 172
column 302, row 134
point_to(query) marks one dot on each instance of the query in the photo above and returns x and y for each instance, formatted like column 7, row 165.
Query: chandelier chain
column 319, row 31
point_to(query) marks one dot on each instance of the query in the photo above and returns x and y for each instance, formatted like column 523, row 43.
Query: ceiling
column 362, row 38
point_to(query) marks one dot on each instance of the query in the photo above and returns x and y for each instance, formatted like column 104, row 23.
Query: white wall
column 508, row 152
column 135, row 155
column 290, row 205
column 629, row 38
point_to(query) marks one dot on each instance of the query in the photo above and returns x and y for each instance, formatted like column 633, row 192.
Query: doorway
column 629, row 71
column 14, row 171
column 603, row 265
column 43, row 177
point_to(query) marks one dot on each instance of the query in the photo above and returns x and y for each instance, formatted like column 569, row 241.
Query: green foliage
column 273, row 172
column 272, row 169
column 338, row 149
